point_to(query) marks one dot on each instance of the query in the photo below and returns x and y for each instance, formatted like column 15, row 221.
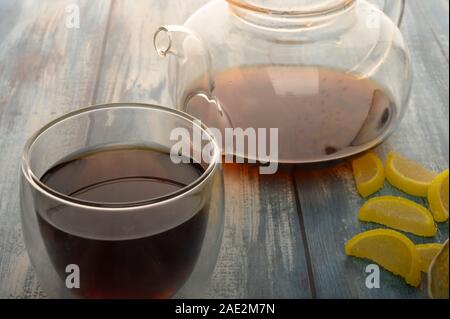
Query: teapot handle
column 188, row 49
column 394, row 9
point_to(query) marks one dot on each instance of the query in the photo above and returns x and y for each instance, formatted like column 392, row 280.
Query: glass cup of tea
column 114, row 205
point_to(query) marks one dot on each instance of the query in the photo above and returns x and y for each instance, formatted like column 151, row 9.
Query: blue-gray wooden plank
column 46, row 70
column 262, row 254
column 33, row 90
column 328, row 199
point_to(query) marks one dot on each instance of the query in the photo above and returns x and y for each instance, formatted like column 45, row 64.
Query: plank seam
column 433, row 32
column 309, row 268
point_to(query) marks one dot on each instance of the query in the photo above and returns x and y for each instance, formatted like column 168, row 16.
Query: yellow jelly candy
column 408, row 176
column 369, row 174
column 438, row 275
column 427, row 252
column 438, row 197
column 399, row 213
column 391, row 250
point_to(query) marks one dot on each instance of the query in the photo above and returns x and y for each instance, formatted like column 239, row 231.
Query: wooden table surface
column 284, row 234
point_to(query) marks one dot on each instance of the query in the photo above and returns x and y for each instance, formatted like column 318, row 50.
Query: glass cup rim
column 69, row 200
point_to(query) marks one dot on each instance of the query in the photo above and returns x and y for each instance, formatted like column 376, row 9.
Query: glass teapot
column 332, row 77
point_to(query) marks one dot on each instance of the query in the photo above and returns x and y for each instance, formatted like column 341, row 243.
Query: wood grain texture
column 262, row 253
column 435, row 14
column 49, row 70
column 329, row 202
column 46, row 70
column 131, row 70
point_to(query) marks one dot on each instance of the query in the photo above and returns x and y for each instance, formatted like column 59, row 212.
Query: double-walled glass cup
column 142, row 249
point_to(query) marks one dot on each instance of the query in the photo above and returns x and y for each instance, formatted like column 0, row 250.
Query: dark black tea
column 150, row 267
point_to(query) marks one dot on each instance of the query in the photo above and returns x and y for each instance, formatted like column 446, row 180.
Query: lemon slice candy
column 369, row 174
column 427, row 252
column 438, row 275
column 399, row 213
column 408, row 176
column 438, row 197
column 391, row 250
